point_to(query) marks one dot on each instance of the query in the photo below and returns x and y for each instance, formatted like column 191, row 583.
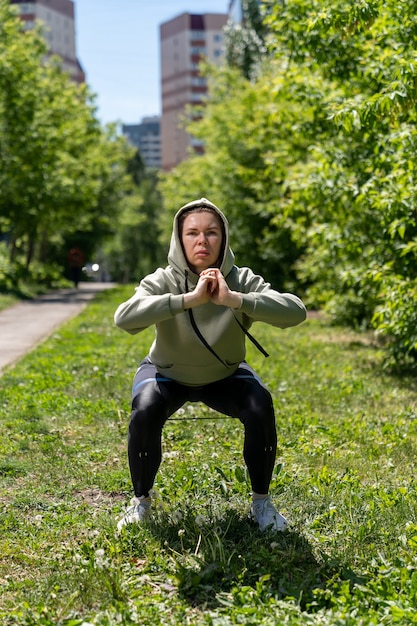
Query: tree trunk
column 30, row 249
column 43, row 246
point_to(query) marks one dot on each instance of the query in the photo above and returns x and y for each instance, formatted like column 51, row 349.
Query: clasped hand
column 212, row 286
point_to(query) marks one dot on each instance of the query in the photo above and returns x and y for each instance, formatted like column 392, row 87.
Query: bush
column 396, row 319
column 16, row 279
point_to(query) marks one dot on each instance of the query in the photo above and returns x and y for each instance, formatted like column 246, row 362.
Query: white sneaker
column 138, row 511
column 265, row 514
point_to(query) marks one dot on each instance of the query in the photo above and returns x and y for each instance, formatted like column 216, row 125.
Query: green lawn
column 345, row 478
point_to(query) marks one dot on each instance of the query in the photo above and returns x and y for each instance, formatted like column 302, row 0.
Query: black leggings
column 242, row 395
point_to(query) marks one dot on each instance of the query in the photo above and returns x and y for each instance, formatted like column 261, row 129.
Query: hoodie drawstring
column 252, row 339
column 205, row 342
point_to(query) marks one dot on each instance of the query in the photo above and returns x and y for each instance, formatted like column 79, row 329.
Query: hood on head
column 176, row 257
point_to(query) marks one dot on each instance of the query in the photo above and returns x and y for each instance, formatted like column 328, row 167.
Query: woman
column 202, row 306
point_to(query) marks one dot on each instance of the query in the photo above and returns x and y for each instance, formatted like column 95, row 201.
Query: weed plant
column 345, row 478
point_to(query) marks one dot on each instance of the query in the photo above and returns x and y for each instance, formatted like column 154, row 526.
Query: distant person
column 202, row 306
column 76, row 264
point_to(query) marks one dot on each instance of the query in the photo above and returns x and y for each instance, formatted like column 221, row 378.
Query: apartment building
column 184, row 42
column 58, row 17
column 146, row 137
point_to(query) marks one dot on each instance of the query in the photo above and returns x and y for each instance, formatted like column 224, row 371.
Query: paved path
column 25, row 325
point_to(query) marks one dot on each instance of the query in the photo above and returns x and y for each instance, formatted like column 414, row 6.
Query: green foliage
column 17, row 281
column 397, row 317
column 359, row 186
column 60, row 171
column 136, row 250
column 344, row 477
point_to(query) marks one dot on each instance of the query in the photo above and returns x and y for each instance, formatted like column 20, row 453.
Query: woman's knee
column 261, row 404
column 148, row 410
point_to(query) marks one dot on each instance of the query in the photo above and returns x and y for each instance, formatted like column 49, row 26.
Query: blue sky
column 118, row 47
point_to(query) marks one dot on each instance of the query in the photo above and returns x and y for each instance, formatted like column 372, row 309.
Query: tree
column 60, row 172
column 135, row 249
column 358, row 188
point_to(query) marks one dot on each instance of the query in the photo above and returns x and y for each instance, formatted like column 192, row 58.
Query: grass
column 7, row 300
column 345, row 477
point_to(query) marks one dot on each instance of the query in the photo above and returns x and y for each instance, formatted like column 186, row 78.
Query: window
column 27, row 8
column 198, row 34
column 199, row 81
column 198, row 50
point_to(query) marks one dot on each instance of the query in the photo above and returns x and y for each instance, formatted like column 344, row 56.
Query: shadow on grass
column 231, row 556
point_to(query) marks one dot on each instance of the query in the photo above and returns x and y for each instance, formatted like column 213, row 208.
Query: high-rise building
column 184, row 42
column 58, row 17
column 146, row 138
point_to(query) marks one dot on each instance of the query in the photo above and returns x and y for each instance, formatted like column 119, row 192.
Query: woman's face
column 202, row 240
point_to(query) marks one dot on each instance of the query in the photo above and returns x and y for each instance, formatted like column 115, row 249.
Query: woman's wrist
column 186, row 301
column 237, row 300
column 190, row 300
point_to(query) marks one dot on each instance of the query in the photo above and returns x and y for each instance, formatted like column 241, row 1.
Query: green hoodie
column 177, row 351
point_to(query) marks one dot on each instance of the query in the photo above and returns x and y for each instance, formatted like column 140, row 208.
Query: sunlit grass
column 345, row 478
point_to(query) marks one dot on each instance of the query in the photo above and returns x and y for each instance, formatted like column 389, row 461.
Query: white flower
column 176, row 517
column 172, row 454
column 99, row 561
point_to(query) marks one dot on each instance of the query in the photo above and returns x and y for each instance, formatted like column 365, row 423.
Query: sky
column 118, row 47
